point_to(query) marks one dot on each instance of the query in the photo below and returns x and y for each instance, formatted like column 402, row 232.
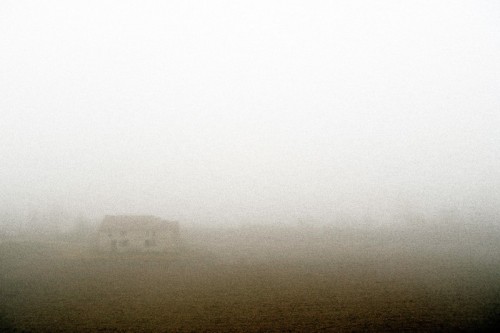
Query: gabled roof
column 136, row 222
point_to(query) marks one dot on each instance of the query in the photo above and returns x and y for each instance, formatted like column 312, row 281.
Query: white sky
column 230, row 111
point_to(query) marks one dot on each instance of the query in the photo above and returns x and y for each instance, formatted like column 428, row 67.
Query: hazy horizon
column 223, row 112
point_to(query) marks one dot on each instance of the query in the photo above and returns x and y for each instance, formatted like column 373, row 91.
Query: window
column 123, row 233
column 124, row 242
column 149, row 242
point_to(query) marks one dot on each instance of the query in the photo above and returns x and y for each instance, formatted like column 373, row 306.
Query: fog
column 249, row 166
column 227, row 113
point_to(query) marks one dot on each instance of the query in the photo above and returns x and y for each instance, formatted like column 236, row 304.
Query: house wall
column 137, row 240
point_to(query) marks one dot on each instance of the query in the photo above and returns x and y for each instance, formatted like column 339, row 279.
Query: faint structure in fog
column 137, row 233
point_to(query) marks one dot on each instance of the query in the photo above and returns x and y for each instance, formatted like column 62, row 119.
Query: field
column 265, row 280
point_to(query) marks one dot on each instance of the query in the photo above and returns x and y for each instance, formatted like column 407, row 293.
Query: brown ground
column 52, row 287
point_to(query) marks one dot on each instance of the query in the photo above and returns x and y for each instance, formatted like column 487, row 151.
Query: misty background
column 228, row 112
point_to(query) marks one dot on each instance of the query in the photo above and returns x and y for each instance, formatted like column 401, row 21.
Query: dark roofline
column 137, row 222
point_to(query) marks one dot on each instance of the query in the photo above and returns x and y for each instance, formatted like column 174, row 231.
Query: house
column 137, row 233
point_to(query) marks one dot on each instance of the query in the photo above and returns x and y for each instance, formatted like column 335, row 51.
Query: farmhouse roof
column 136, row 222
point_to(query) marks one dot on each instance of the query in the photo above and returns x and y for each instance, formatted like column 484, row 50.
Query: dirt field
column 58, row 287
